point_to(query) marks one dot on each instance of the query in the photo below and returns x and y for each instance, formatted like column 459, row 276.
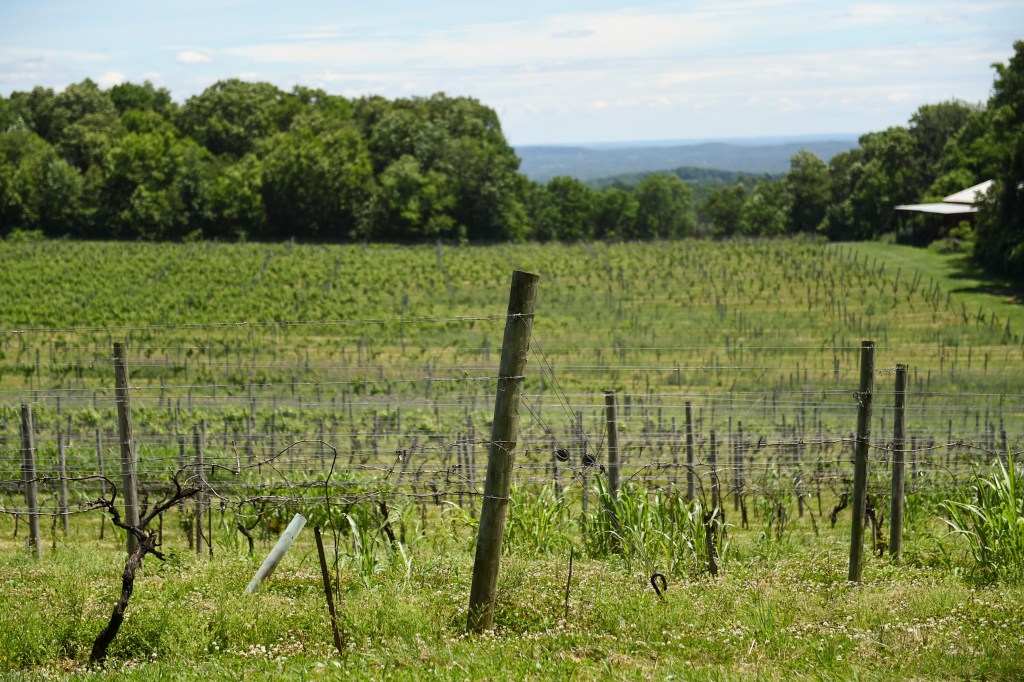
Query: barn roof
column 959, row 202
column 969, row 195
column 943, row 208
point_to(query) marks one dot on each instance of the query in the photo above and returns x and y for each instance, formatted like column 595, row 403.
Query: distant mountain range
column 751, row 155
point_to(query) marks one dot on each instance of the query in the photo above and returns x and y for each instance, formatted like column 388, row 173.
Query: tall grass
column 655, row 530
column 990, row 517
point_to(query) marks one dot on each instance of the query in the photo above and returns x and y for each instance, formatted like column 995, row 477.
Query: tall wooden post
column 690, row 460
column 612, row 423
column 716, row 490
column 198, row 436
column 103, row 477
column 129, row 481
column 860, row 459
column 504, row 431
column 899, row 436
column 28, row 474
column 62, row 472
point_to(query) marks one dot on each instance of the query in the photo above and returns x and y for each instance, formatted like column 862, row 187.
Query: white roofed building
column 957, row 207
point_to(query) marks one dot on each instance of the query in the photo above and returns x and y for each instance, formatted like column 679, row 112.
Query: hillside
column 542, row 162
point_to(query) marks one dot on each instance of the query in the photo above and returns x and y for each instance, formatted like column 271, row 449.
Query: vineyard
column 683, row 475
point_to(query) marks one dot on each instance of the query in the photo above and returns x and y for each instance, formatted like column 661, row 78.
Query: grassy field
column 954, row 273
column 781, row 609
column 377, row 349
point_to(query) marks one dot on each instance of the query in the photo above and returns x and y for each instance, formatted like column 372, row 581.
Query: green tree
column 145, row 97
column 315, row 183
column 81, row 114
column 151, row 187
column 809, row 186
column 38, row 189
column 410, row 203
column 232, row 200
column 34, row 109
column 933, row 126
column 766, row 211
column 664, row 208
column 614, row 214
column 868, row 182
column 1000, row 226
column 232, row 116
column 566, row 210
column 722, row 210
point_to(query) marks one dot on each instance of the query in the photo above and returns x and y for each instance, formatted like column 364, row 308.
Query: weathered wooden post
column 129, row 480
column 28, row 475
column 716, row 490
column 103, row 476
column 899, row 436
column 504, row 431
column 198, row 436
column 62, row 472
column 690, row 461
column 860, row 463
column 611, row 421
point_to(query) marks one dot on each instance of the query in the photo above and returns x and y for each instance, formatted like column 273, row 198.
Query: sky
column 556, row 71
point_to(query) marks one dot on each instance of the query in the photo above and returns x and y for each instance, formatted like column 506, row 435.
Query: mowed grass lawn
column 955, row 273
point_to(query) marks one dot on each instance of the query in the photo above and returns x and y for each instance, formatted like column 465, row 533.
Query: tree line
column 250, row 161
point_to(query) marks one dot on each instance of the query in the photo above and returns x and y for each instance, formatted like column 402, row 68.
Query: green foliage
column 249, row 161
column 565, row 210
column 1000, row 234
column 664, row 208
column 614, row 214
column 765, row 210
column 38, row 189
column 539, row 521
column 232, row 116
column 990, row 517
column 130, row 96
column 651, row 530
column 722, row 210
column 809, row 187
column 313, row 184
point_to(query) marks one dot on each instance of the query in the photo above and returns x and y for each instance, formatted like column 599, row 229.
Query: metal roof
column 969, row 195
column 943, row 208
column 960, row 202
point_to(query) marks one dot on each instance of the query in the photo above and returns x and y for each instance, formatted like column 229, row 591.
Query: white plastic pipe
column 276, row 554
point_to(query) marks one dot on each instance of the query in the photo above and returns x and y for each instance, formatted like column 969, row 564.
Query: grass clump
column 989, row 515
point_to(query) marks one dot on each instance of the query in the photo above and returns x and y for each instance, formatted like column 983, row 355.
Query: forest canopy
column 245, row 160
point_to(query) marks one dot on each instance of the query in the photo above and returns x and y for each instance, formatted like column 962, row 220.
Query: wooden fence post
column 28, row 474
column 716, row 490
column 899, row 436
column 198, row 434
column 690, row 461
column 860, row 464
column 103, row 477
column 129, row 479
column 62, row 472
column 611, row 420
column 504, row 431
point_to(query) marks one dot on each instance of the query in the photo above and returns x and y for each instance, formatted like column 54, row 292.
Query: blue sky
column 558, row 71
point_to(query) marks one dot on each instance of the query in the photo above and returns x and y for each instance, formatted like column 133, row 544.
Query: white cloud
column 110, row 79
column 573, row 34
column 190, row 57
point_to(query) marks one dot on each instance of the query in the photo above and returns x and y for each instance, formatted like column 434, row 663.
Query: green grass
column 955, row 273
column 759, row 332
column 779, row 610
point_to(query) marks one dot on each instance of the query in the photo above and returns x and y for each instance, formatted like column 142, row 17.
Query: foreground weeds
column 780, row 609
